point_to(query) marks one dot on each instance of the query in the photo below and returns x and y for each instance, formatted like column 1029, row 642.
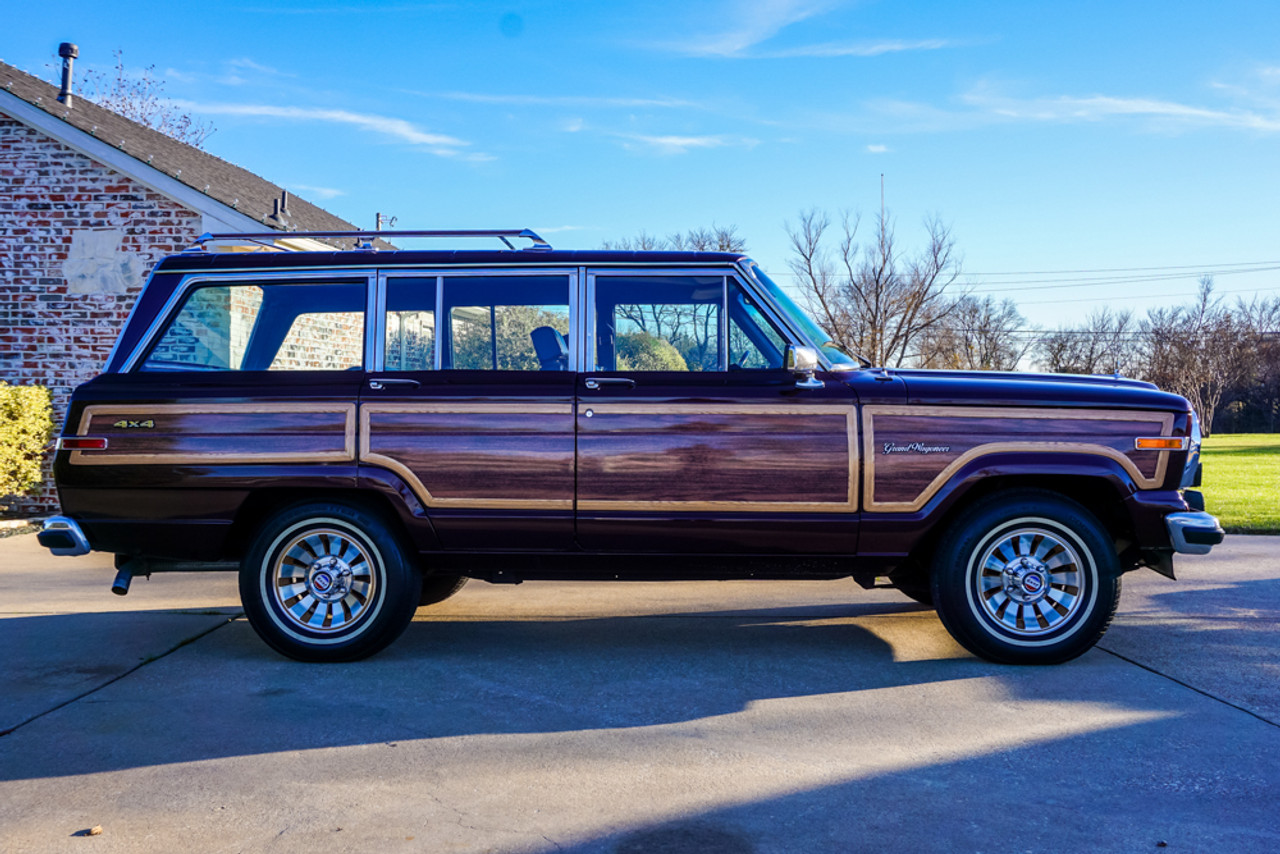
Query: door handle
column 381, row 384
column 596, row 383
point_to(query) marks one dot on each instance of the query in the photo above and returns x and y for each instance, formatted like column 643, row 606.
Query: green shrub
column 26, row 426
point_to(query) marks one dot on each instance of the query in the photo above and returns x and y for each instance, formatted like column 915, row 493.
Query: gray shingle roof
column 225, row 182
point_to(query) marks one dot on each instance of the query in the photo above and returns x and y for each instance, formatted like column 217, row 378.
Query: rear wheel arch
column 263, row 504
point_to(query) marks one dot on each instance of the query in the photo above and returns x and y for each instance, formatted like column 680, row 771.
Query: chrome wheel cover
column 1029, row 581
column 323, row 580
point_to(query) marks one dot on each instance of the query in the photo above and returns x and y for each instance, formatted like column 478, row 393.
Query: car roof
column 202, row 261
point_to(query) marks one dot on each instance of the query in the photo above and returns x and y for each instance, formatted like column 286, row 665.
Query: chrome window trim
column 745, row 282
column 442, row 273
column 192, row 281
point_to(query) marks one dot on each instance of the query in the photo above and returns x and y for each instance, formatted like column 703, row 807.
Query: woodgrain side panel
column 911, row 451
column 483, row 455
column 733, row 457
column 185, row 434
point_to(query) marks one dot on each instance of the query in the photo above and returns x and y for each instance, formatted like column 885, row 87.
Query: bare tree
column 1107, row 342
column 140, row 96
column 714, row 239
column 1198, row 351
column 875, row 300
column 980, row 335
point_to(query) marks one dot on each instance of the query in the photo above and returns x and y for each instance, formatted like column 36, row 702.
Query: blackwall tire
column 437, row 588
column 328, row 582
column 1026, row 578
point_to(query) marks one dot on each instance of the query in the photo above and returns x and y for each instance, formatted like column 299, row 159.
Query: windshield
column 840, row 359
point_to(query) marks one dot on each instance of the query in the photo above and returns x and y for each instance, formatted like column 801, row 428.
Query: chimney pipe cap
column 67, row 50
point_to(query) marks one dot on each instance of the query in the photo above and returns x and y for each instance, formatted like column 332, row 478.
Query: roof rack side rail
column 364, row 239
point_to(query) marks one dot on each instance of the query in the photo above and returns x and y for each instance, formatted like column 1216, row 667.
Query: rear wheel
column 328, row 582
column 1026, row 578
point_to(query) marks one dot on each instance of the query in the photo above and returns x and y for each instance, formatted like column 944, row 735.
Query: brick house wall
column 77, row 240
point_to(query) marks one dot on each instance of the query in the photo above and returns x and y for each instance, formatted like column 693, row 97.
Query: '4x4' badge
column 133, row 425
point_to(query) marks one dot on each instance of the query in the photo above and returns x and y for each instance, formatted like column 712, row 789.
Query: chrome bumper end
column 1193, row 533
column 63, row 537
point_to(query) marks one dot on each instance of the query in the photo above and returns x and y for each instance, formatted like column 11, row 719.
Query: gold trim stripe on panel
column 869, row 413
column 419, row 488
column 100, row 458
column 850, row 505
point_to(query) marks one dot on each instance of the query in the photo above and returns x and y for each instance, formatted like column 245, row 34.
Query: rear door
column 691, row 434
column 470, row 403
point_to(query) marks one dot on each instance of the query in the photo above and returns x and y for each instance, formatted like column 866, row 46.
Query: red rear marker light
column 1161, row 443
column 82, row 443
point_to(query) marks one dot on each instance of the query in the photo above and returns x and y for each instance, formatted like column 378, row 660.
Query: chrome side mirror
column 802, row 362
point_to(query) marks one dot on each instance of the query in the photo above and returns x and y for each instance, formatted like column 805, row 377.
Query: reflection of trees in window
column 500, row 337
column 693, row 330
column 640, row 351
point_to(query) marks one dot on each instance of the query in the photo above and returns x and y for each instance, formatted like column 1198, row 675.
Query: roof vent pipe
column 68, row 52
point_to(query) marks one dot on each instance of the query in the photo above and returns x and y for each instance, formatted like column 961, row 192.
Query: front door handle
column 381, row 384
column 596, row 383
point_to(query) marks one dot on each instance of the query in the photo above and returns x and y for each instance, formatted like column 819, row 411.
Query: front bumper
column 1194, row 532
column 62, row 536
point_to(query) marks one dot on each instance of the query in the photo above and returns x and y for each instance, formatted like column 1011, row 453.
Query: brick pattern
column 48, row 335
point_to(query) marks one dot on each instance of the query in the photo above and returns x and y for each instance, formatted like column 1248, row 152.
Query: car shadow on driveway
column 229, row 695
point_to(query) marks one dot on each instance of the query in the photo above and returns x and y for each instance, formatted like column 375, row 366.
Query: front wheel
column 328, row 582
column 1026, row 578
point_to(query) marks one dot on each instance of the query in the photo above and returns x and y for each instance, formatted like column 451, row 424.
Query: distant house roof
column 160, row 161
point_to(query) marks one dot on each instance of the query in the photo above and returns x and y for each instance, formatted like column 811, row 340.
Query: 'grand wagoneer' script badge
column 915, row 448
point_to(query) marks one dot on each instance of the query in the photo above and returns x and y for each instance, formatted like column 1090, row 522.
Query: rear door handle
column 596, row 383
column 381, row 384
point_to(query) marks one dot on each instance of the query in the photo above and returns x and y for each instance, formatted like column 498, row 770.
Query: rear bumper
column 1194, row 532
column 63, row 536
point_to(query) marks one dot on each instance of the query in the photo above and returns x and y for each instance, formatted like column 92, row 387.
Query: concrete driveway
column 718, row 718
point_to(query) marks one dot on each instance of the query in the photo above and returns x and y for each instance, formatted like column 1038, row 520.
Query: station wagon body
column 360, row 431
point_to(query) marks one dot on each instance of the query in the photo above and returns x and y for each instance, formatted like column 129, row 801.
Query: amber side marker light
column 81, row 443
column 1161, row 443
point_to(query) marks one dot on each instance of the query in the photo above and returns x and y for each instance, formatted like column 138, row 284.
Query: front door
column 471, row 404
column 692, row 437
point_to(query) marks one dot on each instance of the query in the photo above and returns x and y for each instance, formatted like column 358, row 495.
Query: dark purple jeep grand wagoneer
column 360, row 431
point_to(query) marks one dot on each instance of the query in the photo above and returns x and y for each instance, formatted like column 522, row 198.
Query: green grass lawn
column 1242, row 481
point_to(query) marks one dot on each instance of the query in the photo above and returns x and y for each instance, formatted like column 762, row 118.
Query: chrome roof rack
column 365, row 239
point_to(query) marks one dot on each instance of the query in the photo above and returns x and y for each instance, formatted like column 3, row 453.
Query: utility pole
column 381, row 220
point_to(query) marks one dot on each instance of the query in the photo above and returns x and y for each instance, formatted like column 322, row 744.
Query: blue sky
column 1052, row 138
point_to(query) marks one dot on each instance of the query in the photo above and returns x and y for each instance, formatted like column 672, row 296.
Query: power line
column 1131, row 269
column 1042, row 284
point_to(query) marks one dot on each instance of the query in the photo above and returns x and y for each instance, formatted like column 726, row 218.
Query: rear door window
column 505, row 323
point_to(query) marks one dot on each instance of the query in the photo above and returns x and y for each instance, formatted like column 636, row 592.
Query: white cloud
column 395, row 128
column 877, row 149
column 676, row 144
column 561, row 100
column 754, row 22
column 317, row 192
column 833, row 49
column 244, row 63
column 1093, row 108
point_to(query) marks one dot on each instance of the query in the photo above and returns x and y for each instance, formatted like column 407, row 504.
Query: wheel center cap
column 329, row 579
column 1026, row 580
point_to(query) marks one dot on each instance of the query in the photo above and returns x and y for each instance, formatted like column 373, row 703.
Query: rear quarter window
column 256, row 326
